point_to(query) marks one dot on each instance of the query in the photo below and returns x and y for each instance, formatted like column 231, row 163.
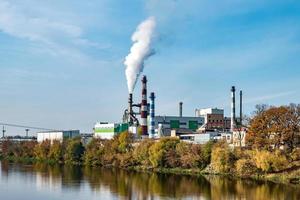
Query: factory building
column 104, row 130
column 167, row 123
column 214, row 119
column 239, row 137
column 57, row 135
column 202, row 138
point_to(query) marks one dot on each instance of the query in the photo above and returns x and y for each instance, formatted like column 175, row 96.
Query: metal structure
column 152, row 115
column 144, row 107
column 241, row 108
column 3, row 132
column 180, row 109
column 233, row 122
column 27, row 130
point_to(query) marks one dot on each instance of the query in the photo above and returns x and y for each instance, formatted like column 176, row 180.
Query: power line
column 27, row 127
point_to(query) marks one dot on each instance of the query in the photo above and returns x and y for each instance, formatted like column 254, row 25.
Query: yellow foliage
column 270, row 161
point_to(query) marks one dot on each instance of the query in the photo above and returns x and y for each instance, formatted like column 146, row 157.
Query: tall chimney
column 144, row 107
column 232, row 108
column 130, row 112
column 152, row 115
column 241, row 108
column 180, row 109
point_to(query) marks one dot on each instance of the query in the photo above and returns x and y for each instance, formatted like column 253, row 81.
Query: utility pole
column 3, row 132
column 27, row 130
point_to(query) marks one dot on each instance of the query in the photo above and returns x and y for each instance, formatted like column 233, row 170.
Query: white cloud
column 264, row 98
column 15, row 23
column 54, row 37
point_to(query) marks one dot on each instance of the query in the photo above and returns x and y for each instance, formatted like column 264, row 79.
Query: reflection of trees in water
column 228, row 188
column 135, row 185
column 142, row 185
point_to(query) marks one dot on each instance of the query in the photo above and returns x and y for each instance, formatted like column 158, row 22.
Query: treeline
column 70, row 151
column 272, row 146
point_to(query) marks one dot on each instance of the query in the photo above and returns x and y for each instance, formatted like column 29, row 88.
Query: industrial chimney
column 152, row 115
column 241, row 108
column 130, row 112
column 232, row 108
column 144, row 107
column 180, row 109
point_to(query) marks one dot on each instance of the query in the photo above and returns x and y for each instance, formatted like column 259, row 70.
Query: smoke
column 139, row 52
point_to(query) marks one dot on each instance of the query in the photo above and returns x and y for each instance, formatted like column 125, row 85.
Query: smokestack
column 241, row 108
column 232, row 108
column 144, row 107
column 180, row 109
column 152, row 115
column 130, row 112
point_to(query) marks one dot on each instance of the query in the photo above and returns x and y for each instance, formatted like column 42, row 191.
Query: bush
column 206, row 153
column 56, row 151
column 125, row 140
column 161, row 154
column 268, row 161
column 141, row 152
column 190, row 155
column 222, row 158
column 295, row 155
column 245, row 167
column 41, row 150
column 93, row 153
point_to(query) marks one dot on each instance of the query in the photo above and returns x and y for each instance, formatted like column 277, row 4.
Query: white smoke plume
column 139, row 52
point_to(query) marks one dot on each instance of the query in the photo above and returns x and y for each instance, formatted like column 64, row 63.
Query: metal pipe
column 130, row 112
column 241, row 108
column 232, row 108
column 180, row 109
column 152, row 115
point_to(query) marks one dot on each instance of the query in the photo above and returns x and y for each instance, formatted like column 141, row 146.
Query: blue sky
column 61, row 61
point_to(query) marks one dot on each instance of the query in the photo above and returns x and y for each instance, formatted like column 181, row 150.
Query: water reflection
column 134, row 185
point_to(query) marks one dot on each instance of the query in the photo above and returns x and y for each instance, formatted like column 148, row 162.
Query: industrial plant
column 207, row 124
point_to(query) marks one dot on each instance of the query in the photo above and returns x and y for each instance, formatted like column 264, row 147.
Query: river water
column 44, row 182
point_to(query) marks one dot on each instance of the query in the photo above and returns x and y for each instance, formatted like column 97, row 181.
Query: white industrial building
column 104, row 130
column 202, row 138
column 57, row 135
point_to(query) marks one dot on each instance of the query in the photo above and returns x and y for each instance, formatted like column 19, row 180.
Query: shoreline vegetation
column 169, row 155
column 263, row 158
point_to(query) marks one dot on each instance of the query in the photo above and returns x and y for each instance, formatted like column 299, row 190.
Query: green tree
column 74, row 151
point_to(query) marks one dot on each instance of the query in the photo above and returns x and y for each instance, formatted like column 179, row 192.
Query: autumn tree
column 273, row 127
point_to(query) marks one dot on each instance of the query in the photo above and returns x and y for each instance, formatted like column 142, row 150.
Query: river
column 44, row 182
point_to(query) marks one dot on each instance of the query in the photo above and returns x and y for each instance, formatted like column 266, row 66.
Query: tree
column 74, row 151
column 222, row 158
column 190, row 155
column 274, row 127
column 125, row 140
column 56, row 151
column 41, row 150
column 161, row 153
column 141, row 152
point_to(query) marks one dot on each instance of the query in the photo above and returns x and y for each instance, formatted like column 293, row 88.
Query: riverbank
column 60, row 180
column 290, row 177
column 167, row 155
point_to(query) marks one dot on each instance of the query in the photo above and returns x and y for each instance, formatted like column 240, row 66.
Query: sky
column 61, row 61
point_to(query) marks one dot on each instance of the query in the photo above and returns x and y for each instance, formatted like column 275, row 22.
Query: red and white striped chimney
column 144, row 107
